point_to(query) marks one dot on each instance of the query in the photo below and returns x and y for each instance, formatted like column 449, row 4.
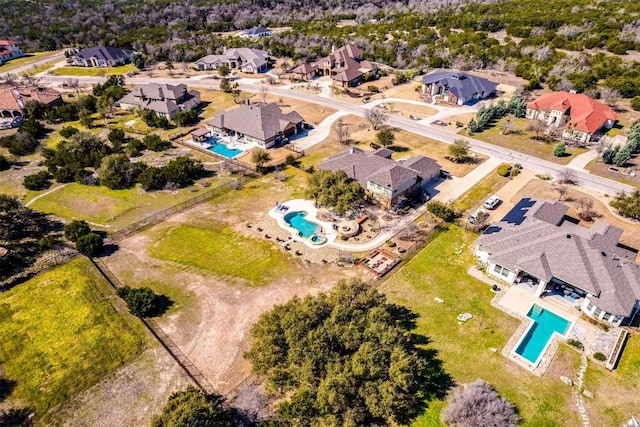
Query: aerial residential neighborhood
column 248, row 214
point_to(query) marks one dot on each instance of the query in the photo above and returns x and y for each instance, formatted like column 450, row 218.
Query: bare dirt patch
column 129, row 397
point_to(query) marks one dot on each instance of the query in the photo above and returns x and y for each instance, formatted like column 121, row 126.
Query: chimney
column 333, row 48
column 352, row 150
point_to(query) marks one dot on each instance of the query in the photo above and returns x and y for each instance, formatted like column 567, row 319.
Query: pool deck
column 307, row 206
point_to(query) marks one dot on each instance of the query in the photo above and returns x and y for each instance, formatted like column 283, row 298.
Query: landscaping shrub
column 599, row 356
column 76, row 229
column 441, row 210
column 140, row 301
column 560, row 150
column 575, row 343
column 479, row 405
column 155, row 143
column 90, row 244
column 4, row 163
column 504, row 170
column 68, row 131
column 38, row 181
column 635, row 103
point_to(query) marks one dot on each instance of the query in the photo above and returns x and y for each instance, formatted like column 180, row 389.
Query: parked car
column 479, row 216
column 492, row 202
column 444, row 174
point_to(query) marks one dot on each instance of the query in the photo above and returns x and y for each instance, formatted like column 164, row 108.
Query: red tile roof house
column 262, row 124
column 384, row 180
column 165, row 99
column 102, row 56
column 14, row 98
column 9, row 49
column 586, row 267
column 343, row 65
column 582, row 117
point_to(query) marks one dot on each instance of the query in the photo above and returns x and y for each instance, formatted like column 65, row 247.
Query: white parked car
column 492, row 202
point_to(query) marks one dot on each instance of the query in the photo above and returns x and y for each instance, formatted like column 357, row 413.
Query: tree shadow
column 6, row 387
column 109, row 249
column 162, row 304
column 398, row 148
column 403, row 316
column 15, row 417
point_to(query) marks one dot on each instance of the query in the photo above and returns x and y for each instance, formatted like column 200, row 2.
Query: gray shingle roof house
column 256, row 33
column 165, row 99
column 102, row 56
column 262, row 124
column 343, row 65
column 245, row 59
column 384, row 179
column 457, row 88
column 536, row 241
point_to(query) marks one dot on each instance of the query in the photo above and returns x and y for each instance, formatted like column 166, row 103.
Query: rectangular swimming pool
column 537, row 337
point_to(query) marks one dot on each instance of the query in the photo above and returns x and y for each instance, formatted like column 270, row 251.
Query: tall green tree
column 343, row 358
column 334, row 190
column 191, row 408
column 385, row 137
column 260, row 158
column 116, row 172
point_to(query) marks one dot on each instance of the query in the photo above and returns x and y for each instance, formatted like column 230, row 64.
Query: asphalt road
column 582, row 178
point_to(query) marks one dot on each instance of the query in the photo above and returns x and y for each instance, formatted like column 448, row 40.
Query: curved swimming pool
column 297, row 221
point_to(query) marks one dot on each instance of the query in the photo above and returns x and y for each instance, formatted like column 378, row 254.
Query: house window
column 615, row 319
column 597, row 312
column 589, row 306
column 501, row 270
column 606, row 317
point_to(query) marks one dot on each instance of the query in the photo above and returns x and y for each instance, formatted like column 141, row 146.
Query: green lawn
column 94, row 71
column 59, row 335
column 27, row 59
column 112, row 209
column 440, row 270
column 222, row 251
column 519, row 139
column 480, row 191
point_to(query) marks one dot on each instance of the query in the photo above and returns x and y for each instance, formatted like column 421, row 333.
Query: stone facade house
column 384, row 179
column 165, row 99
column 262, row 124
column 102, row 56
column 244, row 59
column 256, row 33
column 580, row 117
column 14, row 98
column 457, row 88
column 587, row 267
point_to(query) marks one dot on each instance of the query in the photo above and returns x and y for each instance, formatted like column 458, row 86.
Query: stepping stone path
column 579, row 398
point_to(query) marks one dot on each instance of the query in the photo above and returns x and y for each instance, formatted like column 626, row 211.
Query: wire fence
column 160, row 335
column 180, row 207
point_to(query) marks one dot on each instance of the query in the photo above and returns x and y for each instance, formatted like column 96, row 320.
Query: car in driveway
column 478, row 217
column 492, row 202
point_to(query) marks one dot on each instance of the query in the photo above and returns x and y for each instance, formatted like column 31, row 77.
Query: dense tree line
column 24, row 235
column 406, row 34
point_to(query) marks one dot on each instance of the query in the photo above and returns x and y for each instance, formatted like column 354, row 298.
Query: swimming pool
column 220, row 148
column 539, row 334
column 297, row 221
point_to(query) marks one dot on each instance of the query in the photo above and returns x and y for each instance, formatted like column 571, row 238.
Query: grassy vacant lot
column 59, row 336
column 602, row 169
column 440, row 270
column 94, row 71
column 519, row 139
column 29, row 58
column 222, row 251
column 480, row 191
column 112, row 209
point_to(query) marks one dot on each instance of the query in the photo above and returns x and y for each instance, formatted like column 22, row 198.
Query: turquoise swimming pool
column 297, row 221
column 545, row 323
column 220, row 148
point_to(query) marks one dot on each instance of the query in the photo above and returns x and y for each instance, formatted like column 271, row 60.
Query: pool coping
column 311, row 214
column 555, row 337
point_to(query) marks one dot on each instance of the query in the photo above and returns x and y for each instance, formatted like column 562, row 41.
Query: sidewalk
column 450, row 189
column 319, row 133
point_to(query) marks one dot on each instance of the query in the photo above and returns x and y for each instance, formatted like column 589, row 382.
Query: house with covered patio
column 538, row 245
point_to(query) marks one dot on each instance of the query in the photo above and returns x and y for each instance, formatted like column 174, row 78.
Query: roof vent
column 568, row 236
column 603, row 253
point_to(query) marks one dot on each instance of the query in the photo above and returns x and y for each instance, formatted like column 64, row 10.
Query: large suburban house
column 457, row 88
column 343, row 65
column 256, row 33
column 14, row 98
column 383, row 179
column 9, row 49
column 244, row 59
column 101, row 56
column 581, row 117
column 537, row 244
column 262, row 124
column 165, row 99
